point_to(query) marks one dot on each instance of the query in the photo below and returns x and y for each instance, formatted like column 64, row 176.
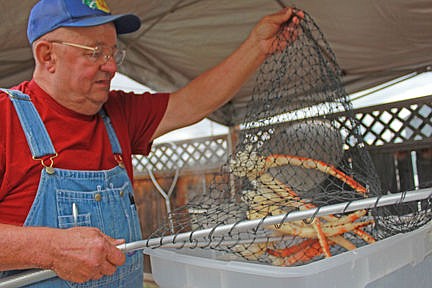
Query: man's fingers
column 114, row 255
column 108, row 268
column 298, row 14
column 286, row 14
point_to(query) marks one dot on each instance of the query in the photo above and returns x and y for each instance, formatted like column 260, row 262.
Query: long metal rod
column 194, row 238
column 245, row 225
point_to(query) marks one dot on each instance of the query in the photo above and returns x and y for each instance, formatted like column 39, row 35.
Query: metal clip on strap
column 119, row 160
column 49, row 168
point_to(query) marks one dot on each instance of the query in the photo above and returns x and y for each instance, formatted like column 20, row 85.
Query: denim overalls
column 68, row 198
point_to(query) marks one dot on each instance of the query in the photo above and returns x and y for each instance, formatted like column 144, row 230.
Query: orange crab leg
column 364, row 235
column 328, row 229
column 304, row 255
column 292, row 249
column 321, row 237
column 344, row 228
column 309, row 163
column 343, row 242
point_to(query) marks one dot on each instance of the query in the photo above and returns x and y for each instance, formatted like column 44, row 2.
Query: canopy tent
column 374, row 41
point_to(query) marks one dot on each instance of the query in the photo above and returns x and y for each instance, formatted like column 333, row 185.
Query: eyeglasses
column 99, row 52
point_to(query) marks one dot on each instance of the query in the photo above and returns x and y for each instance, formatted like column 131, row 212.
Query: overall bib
column 68, row 198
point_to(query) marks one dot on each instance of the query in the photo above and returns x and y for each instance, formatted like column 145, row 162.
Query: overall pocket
column 69, row 221
column 76, row 208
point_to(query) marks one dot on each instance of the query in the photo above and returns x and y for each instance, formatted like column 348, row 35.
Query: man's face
column 82, row 78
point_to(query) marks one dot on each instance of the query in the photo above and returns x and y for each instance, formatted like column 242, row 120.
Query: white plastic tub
column 400, row 261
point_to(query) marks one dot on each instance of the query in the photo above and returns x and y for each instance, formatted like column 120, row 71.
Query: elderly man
column 66, row 141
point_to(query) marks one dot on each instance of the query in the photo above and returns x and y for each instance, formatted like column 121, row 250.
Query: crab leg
column 292, row 249
column 364, row 235
column 309, row 232
column 316, row 224
column 306, row 255
column 307, row 250
column 309, row 163
column 341, row 241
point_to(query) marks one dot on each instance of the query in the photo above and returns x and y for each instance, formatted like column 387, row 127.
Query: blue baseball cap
column 48, row 15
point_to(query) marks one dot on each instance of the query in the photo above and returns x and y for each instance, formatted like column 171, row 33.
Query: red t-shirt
column 81, row 141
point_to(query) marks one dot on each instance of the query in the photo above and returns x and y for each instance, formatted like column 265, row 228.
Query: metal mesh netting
column 299, row 148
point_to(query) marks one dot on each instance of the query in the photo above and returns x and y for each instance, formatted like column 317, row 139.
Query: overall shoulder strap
column 36, row 134
column 115, row 144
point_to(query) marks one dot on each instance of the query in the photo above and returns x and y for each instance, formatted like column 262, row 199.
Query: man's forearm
column 24, row 247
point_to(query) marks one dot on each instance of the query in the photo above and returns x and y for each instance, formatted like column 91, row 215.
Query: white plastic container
column 400, row 261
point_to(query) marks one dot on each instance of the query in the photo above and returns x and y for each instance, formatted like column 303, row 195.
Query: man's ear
column 44, row 55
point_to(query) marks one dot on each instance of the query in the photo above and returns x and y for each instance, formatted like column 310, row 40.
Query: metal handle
column 192, row 238
column 36, row 275
column 26, row 278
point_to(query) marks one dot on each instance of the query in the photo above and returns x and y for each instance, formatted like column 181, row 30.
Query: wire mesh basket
column 299, row 148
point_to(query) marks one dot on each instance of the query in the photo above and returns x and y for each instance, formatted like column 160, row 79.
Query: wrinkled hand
column 81, row 254
column 266, row 30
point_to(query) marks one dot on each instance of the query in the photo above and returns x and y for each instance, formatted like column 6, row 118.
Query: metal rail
column 194, row 238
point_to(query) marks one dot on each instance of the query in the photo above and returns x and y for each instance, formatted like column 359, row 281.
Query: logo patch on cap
column 97, row 4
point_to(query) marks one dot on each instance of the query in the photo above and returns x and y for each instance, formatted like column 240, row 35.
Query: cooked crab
column 272, row 197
